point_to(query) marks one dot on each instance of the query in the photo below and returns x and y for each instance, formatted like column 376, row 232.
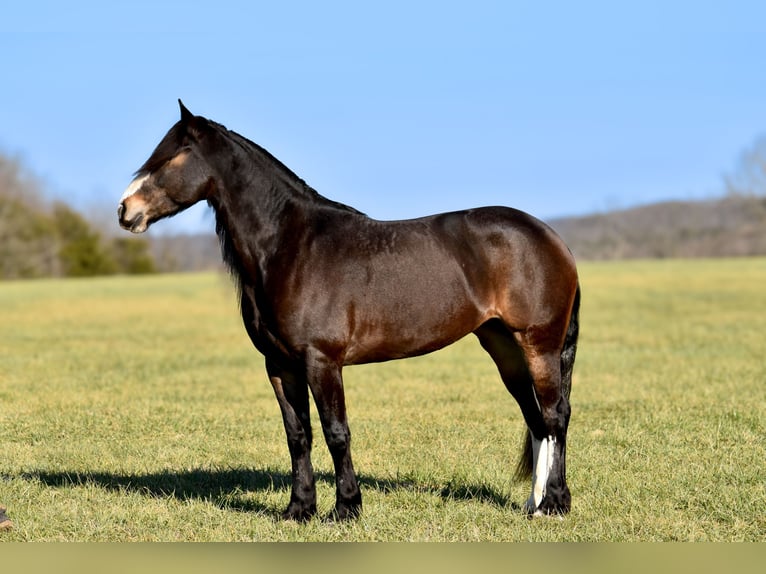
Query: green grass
column 136, row 409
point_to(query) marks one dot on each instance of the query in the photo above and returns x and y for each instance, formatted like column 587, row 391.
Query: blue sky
column 397, row 108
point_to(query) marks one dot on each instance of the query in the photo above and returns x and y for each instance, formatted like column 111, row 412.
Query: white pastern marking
column 542, row 460
column 134, row 186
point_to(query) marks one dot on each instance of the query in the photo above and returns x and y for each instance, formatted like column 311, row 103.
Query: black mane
column 252, row 148
column 231, row 256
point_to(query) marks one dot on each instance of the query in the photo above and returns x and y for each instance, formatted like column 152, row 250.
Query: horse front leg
column 326, row 384
column 292, row 394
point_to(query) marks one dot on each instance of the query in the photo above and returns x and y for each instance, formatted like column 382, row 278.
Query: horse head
column 175, row 177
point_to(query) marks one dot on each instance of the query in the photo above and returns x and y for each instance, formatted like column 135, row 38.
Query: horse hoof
column 5, row 522
column 299, row 513
column 344, row 512
column 546, row 509
column 545, row 515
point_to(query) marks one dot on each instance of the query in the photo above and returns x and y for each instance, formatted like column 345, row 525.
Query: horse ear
column 195, row 126
column 186, row 115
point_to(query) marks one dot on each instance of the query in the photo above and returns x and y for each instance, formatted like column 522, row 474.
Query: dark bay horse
column 323, row 286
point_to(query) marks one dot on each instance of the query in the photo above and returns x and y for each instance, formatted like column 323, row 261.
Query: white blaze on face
column 134, row 186
column 542, row 460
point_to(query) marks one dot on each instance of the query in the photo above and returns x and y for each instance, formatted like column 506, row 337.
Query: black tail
column 524, row 468
column 570, row 346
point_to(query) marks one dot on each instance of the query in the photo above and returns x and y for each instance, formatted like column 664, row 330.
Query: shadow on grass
column 228, row 488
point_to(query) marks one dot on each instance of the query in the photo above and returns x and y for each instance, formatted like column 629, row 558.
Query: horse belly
column 409, row 318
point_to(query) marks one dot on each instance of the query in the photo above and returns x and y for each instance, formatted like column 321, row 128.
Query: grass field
column 136, row 409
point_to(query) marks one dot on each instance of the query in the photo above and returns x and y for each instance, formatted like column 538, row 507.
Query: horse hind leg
column 509, row 358
column 551, row 373
column 534, row 379
column 550, row 493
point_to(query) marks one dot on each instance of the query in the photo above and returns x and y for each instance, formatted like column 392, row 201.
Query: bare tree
column 749, row 176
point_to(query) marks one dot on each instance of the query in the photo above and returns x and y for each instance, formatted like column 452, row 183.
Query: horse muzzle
column 132, row 220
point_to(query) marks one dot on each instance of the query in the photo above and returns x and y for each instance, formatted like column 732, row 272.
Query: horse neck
column 257, row 203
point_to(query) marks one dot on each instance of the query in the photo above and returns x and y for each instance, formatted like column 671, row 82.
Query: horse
column 321, row 286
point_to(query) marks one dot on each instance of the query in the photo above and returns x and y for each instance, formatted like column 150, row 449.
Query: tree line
column 41, row 238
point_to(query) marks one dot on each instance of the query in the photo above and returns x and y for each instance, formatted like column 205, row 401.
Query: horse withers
column 323, row 286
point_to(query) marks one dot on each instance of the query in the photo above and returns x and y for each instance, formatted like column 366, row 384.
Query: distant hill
column 726, row 227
